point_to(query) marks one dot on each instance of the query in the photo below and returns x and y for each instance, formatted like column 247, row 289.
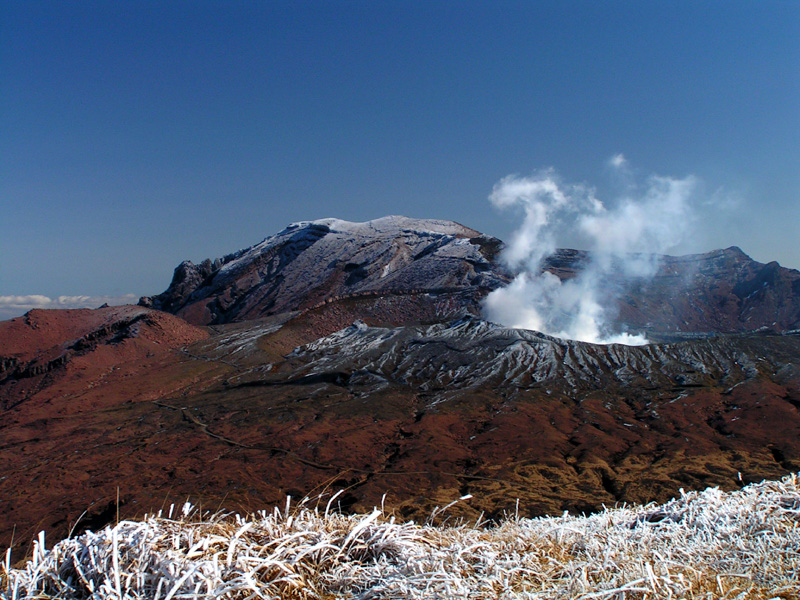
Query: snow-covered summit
column 389, row 224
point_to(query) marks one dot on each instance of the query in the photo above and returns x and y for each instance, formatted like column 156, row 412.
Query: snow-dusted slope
column 315, row 261
column 473, row 352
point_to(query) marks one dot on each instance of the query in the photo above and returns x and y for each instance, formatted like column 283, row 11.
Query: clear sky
column 134, row 135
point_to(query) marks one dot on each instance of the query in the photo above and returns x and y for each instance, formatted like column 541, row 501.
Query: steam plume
column 624, row 238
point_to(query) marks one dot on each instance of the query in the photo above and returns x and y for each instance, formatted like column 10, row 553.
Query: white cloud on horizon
column 15, row 306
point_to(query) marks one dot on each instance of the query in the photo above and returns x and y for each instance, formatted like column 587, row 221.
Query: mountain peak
column 389, row 224
column 736, row 250
column 310, row 262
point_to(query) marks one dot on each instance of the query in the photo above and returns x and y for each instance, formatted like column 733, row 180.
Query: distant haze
column 13, row 306
column 137, row 135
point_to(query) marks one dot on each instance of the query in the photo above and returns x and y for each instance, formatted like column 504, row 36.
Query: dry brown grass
column 739, row 545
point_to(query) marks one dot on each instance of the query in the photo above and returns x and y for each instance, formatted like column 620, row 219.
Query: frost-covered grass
column 707, row 544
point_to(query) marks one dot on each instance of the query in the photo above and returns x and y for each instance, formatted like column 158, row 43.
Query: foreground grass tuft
column 711, row 544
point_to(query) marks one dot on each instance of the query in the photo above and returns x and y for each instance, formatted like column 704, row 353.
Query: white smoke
column 624, row 239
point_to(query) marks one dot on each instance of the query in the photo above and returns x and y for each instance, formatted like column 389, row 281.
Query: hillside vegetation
column 709, row 544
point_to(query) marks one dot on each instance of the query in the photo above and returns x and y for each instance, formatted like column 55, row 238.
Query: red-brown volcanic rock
column 47, row 350
column 60, row 370
column 26, row 337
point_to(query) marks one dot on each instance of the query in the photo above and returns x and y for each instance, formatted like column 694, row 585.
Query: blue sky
column 134, row 135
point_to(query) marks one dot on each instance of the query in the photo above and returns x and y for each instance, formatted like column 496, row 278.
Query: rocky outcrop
column 53, row 346
column 471, row 353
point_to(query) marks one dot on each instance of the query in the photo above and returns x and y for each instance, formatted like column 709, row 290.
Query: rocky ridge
column 471, row 352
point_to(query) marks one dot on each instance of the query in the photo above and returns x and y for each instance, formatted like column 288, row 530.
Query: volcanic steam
column 623, row 237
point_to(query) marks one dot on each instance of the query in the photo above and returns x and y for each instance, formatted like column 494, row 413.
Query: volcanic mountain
column 326, row 260
column 313, row 262
column 353, row 356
